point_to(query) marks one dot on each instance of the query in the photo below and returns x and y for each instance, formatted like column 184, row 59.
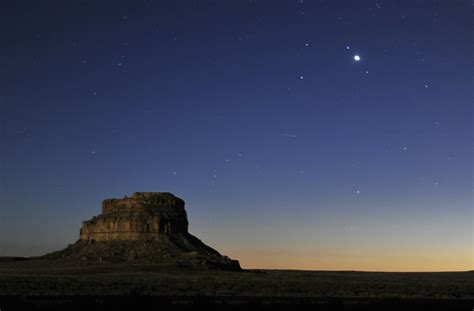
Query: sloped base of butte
column 146, row 228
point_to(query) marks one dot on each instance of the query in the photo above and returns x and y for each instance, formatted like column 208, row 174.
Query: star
column 22, row 131
column 301, row 77
column 357, row 191
column 306, row 44
column 405, row 148
column 348, row 47
column 356, row 58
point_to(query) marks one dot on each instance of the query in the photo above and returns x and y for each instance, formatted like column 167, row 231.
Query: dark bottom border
column 14, row 303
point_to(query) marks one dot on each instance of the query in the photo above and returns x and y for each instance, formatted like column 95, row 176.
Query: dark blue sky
column 288, row 151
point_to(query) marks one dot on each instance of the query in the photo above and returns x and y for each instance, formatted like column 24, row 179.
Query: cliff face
column 144, row 216
column 150, row 227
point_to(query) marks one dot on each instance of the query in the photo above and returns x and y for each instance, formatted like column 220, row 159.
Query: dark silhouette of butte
column 149, row 227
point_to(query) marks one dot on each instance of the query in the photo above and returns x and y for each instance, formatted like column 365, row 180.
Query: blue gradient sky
column 287, row 151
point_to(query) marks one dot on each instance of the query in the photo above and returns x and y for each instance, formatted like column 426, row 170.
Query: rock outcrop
column 144, row 216
column 149, row 227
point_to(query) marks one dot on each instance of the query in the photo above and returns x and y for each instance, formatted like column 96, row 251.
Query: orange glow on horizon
column 389, row 261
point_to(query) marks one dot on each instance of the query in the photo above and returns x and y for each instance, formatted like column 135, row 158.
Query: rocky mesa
column 150, row 227
column 144, row 216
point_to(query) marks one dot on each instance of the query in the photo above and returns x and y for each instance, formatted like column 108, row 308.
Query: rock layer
column 148, row 227
column 144, row 216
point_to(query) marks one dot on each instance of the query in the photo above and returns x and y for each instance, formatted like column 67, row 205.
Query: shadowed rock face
column 148, row 227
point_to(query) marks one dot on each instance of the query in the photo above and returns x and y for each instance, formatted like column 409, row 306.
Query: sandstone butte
column 149, row 227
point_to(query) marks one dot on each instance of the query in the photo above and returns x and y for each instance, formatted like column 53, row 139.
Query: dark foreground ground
column 53, row 285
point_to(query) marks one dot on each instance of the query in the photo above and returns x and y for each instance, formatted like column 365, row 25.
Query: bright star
column 356, row 58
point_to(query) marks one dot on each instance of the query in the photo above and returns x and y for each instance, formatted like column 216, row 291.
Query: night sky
column 301, row 134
